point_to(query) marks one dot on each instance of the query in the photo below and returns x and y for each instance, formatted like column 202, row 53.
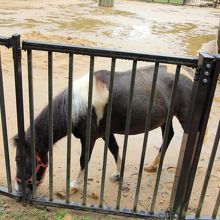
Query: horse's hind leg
column 114, row 149
column 154, row 165
column 79, row 179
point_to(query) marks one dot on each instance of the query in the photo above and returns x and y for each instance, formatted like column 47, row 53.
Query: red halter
column 40, row 165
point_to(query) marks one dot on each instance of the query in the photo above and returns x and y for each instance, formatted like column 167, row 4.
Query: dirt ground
column 132, row 26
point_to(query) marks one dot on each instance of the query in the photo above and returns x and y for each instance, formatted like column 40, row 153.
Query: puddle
column 189, row 36
column 136, row 32
column 173, row 28
column 194, row 43
column 130, row 25
column 82, row 24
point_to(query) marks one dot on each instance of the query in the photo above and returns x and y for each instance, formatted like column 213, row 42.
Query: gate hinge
column 197, row 73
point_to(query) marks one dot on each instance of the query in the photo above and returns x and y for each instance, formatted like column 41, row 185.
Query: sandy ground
column 130, row 25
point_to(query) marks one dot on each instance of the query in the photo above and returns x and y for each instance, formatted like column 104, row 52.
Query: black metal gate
column 207, row 69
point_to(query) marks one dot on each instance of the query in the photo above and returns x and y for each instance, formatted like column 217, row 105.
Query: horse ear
column 15, row 140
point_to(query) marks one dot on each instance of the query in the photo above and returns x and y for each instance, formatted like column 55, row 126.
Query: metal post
column 197, row 117
column 166, row 133
column 32, row 125
column 69, row 127
column 20, row 110
column 208, row 172
column 88, row 127
column 216, row 208
column 106, row 3
column 127, row 128
column 146, row 132
column 50, row 121
column 215, row 2
column 107, row 131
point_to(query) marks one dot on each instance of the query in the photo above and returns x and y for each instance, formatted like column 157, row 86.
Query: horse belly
column 138, row 119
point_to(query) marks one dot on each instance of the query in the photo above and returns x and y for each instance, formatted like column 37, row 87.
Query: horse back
column 141, row 98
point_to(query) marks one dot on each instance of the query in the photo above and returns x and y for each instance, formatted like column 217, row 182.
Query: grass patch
column 40, row 214
column 59, row 214
column 11, row 210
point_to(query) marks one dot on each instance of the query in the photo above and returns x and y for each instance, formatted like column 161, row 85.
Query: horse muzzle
column 18, row 187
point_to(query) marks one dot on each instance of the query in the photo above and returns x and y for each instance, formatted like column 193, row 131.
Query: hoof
column 150, row 169
column 93, row 196
column 115, row 177
column 73, row 190
column 74, row 187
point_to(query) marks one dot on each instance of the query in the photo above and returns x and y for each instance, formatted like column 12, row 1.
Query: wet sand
column 130, row 25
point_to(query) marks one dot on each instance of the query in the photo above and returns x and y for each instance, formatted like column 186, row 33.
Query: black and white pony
column 101, row 82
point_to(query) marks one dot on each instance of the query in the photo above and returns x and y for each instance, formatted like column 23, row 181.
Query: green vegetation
column 59, row 214
column 11, row 210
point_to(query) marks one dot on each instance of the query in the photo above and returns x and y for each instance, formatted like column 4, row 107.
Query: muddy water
column 130, row 25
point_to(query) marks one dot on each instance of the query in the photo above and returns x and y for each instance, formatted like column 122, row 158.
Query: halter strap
column 40, row 164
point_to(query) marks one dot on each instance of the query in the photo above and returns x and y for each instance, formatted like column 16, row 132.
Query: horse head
column 41, row 161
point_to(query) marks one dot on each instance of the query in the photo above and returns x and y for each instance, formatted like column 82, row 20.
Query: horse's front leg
column 76, row 184
column 114, row 149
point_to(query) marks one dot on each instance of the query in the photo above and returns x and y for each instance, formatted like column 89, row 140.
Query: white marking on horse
column 80, row 98
column 16, row 186
column 116, row 175
column 78, row 181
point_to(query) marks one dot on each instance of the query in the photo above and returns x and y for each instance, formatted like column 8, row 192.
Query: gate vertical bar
column 4, row 131
column 107, row 131
column 146, row 132
column 88, row 128
column 20, row 109
column 50, row 122
column 166, row 133
column 127, row 128
column 208, row 172
column 200, row 104
column 216, row 208
column 69, row 127
column 32, row 125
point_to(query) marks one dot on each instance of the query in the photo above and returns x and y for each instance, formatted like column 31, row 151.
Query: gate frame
column 202, row 96
column 14, row 43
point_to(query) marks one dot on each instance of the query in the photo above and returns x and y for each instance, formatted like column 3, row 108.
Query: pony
column 100, row 98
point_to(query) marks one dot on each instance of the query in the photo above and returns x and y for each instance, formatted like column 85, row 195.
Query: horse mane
column 60, row 105
column 99, row 96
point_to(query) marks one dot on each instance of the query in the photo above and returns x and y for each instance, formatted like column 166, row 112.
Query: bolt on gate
column 207, row 69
